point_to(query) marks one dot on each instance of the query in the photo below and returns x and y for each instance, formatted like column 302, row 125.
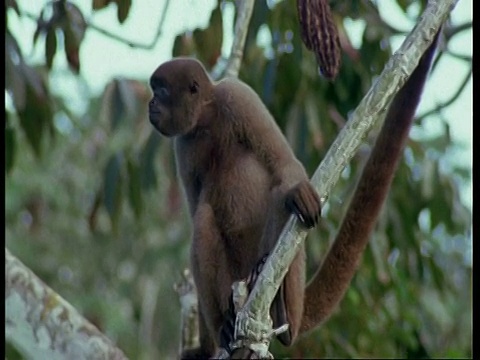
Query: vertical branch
column 245, row 9
column 187, row 293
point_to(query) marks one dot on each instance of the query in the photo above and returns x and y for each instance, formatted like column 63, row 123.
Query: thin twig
column 466, row 58
column 454, row 30
column 116, row 37
column 450, row 101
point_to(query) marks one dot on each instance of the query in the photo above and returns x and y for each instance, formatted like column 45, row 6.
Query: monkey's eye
column 194, row 88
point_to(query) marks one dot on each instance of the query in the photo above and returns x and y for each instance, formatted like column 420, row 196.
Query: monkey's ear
column 194, row 87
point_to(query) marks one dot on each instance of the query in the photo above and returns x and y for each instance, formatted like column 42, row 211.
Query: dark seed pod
column 320, row 35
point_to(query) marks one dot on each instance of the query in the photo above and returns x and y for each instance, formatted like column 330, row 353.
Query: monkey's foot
column 227, row 332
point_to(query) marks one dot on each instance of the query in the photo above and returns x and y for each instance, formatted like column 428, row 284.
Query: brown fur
column 242, row 181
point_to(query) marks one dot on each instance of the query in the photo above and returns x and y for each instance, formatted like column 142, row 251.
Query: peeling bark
column 40, row 324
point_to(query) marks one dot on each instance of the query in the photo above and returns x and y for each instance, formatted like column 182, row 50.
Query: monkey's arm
column 330, row 282
column 255, row 127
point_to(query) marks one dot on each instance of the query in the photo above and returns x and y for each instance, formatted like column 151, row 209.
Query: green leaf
column 71, row 50
column 13, row 4
column 147, row 166
column 50, row 46
column 123, row 9
column 38, row 114
column 113, row 182
column 10, row 147
column 100, row 4
column 183, row 46
column 126, row 98
column 209, row 41
column 73, row 34
column 14, row 76
column 134, row 187
column 118, row 105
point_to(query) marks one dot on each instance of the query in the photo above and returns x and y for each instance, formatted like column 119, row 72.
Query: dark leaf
column 73, row 59
column 100, row 4
column 118, row 106
column 134, row 187
column 38, row 115
column 112, row 190
column 76, row 22
column 147, row 167
column 183, row 46
column 14, row 77
column 50, row 46
column 123, row 9
column 128, row 97
column 74, row 31
column 208, row 42
column 13, row 4
column 10, row 147
column 42, row 26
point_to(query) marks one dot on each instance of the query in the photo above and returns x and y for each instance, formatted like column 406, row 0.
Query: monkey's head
column 181, row 90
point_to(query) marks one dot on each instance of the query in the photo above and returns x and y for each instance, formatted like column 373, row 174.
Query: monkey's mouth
column 155, row 120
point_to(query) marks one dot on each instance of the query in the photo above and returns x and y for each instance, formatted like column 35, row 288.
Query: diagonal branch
column 253, row 321
column 43, row 325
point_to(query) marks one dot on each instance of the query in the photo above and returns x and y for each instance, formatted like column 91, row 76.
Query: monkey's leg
column 212, row 276
column 287, row 307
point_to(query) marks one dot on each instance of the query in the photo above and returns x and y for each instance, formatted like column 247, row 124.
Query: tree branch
column 454, row 30
column 245, row 9
column 253, row 322
column 466, row 58
column 116, row 37
column 43, row 325
column 450, row 101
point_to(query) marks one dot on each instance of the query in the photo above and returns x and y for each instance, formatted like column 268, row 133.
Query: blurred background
column 94, row 208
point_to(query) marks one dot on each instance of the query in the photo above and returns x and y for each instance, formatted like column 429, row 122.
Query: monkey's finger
column 305, row 220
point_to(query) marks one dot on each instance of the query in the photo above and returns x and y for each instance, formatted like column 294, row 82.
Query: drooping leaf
column 13, row 4
column 10, row 146
column 183, row 45
column 73, row 28
column 112, row 187
column 148, row 156
column 118, row 107
column 50, row 46
column 208, row 42
column 14, row 76
column 134, row 187
column 128, row 97
column 38, row 115
column 123, row 9
column 100, row 4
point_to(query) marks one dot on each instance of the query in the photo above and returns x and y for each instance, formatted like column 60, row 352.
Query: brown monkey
column 242, row 181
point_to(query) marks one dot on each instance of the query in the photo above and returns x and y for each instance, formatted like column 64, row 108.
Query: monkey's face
column 179, row 89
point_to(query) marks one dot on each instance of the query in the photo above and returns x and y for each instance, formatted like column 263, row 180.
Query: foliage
column 96, row 210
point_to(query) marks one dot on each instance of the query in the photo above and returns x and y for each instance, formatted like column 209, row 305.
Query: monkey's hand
column 303, row 201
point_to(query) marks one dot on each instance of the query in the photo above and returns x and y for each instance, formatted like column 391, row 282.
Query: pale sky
column 103, row 58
